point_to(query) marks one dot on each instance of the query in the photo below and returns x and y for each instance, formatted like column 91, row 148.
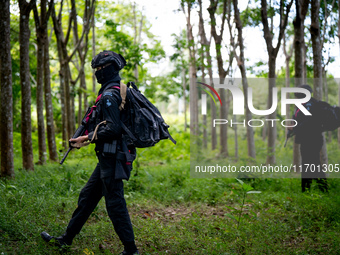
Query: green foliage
column 121, row 38
column 251, row 17
column 244, row 189
column 171, row 212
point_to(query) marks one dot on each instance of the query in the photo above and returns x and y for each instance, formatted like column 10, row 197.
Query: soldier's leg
column 305, row 183
column 306, row 179
column 319, row 175
column 118, row 213
column 89, row 197
column 311, row 165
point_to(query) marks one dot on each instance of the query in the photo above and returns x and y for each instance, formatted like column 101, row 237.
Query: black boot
column 62, row 241
column 129, row 253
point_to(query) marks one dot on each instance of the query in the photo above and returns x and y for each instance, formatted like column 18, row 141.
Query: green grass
column 171, row 212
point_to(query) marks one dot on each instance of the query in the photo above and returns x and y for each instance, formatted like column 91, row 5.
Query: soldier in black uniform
column 309, row 135
column 106, row 180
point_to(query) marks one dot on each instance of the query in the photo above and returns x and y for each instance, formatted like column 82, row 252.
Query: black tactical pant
column 90, row 196
column 311, row 165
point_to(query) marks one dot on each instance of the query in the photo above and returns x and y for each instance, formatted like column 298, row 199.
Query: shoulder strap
column 123, row 89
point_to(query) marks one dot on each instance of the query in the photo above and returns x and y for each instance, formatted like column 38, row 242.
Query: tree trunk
column 317, row 64
column 205, row 134
column 213, row 116
column 221, row 72
column 6, row 102
column 58, row 34
column 338, row 80
column 43, row 83
column 317, row 51
column 184, row 87
column 299, row 52
column 137, row 37
column 72, row 117
column 325, row 86
column 272, row 127
column 288, row 56
column 26, row 129
column 236, row 138
column 52, row 147
column 272, row 54
column 203, row 42
column 193, row 103
column 206, row 49
column 93, row 54
column 40, row 102
column 339, row 105
column 82, row 51
column 241, row 65
column 80, row 105
column 64, row 59
column 40, row 80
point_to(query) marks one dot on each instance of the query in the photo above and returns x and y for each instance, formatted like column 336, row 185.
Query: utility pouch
column 110, row 148
column 124, row 161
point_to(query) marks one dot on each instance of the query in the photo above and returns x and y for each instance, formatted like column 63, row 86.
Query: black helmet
column 305, row 86
column 106, row 57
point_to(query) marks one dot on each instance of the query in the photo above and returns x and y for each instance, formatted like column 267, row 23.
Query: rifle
column 79, row 132
column 289, row 135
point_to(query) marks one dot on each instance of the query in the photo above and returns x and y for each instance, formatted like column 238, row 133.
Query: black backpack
column 142, row 122
column 329, row 116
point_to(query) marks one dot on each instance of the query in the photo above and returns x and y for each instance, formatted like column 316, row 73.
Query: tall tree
column 64, row 81
column 67, row 98
column 6, row 102
column 222, row 73
column 301, row 8
column 202, row 50
column 327, row 35
column 317, row 63
column 192, row 68
column 288, row 55
column 241, row 64
column 272, row 55
column 82, row 52
column 41, row 34
column 26, row 129
column 317, row 50
column 206, row 49
column 339, row 81
column 52, row 147
column 94, row 82
column 181, row 67
column 137, row 39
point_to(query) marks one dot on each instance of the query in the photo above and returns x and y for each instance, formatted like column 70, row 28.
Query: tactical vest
column 117, row 149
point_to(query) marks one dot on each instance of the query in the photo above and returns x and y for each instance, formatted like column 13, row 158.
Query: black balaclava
column 107, row 74
column 111, row 63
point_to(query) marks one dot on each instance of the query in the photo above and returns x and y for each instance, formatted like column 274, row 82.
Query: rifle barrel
column 285, row 142
column 63, row 159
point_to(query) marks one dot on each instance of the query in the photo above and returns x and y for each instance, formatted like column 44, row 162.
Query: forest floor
column 171, row 213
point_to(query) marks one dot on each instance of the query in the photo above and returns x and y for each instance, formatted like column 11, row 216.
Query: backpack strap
column 171, row 139
column 123, row 89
